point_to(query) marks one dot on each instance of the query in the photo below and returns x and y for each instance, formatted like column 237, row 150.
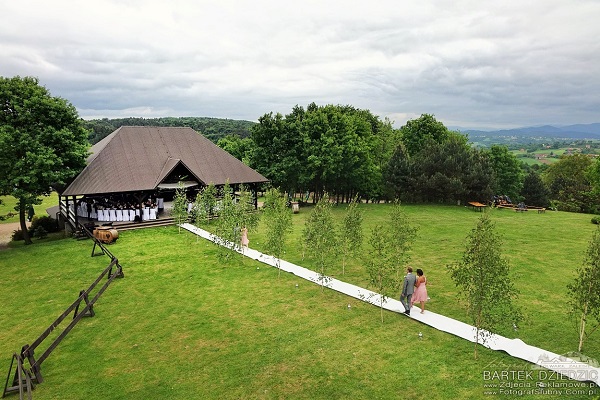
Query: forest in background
column 212, row 128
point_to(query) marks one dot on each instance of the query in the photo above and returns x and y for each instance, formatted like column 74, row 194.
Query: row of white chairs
column 115, row 215
column 127, row 215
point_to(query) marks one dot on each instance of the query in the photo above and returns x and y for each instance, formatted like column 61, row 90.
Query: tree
column 246, row 215
column 507, row 171
column 278, row 151
column 450, row 170
column 200, row 212
column 227, row 229
column 180, row 205
column 209, row 200
column 232, row 217
column 340, row 150
column 534, row 190
column 240, row 148
column 482, row 278
column 42, row 143
column 570, row 186
column 397, row 175
column 351, row 235
column 278, row 221
column 584, row 292
column 417, row 132
column 320, row 237
column 401, row 236
column 391, row 244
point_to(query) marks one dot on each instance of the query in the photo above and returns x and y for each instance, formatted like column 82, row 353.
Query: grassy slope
column 180, row 325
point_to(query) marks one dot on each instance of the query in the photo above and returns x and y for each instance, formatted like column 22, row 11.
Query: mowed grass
column 182, row 325
column 9, row 203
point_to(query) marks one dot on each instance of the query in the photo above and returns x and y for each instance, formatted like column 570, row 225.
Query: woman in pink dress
column 245, row 240
column 420, row 294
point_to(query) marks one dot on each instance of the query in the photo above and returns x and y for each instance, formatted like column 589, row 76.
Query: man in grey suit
column 408, row 288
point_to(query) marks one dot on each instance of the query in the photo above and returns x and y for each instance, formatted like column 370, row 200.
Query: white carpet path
column 574, row 369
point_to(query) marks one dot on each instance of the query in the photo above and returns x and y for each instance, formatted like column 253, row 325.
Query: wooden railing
column 24, row 379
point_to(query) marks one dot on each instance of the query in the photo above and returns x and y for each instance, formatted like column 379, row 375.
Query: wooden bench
column 540, row 210
column 477, row 206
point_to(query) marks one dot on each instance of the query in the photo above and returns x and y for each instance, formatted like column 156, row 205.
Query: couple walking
column 413, row 290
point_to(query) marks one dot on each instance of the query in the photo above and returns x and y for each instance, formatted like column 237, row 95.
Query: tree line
column 348, row 152
column 213, row 128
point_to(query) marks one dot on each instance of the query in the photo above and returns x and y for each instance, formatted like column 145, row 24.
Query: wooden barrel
column 106, row 234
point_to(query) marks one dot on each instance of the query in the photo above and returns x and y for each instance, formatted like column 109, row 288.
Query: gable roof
column 136, row 158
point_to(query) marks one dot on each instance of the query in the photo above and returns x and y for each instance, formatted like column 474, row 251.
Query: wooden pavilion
column 146, row 164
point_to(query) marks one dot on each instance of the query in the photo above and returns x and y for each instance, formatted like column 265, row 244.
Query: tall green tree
column 401, row 236
column 351, row 233
column 42, row 143
column 240, row 148
column 320, row 237
column 507, row 172
column 584, row 292
column 483, row 281
column 335, row 149
column 417, row 132
column 570, row 185
column 450, row 171
column 278, row 222
column 279, row 149
column 534, row 191
column 397, row 175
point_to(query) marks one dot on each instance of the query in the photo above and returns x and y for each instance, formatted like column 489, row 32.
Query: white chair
column 132, row 215
column 153, row 213
column 119, row 215
column 100, row 215
column 112, row 215
column 146, row 214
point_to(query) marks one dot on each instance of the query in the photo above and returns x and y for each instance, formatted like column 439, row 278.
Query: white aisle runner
column 574, row 369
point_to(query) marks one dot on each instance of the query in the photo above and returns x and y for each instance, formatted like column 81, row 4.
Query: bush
column 17, row 235
column 40, row 232
column 48, row 223
column 596, row 220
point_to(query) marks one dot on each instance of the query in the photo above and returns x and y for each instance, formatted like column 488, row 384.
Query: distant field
column 182, row 325
column 547, row 156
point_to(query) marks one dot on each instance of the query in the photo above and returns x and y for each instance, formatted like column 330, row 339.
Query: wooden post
column 22, row 381
column 90, row 312
column 75, row 211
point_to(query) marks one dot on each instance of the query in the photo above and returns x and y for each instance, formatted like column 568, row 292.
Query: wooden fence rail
column 24, row 379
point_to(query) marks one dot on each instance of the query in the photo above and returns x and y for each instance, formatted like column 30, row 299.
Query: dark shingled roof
column 136, row 158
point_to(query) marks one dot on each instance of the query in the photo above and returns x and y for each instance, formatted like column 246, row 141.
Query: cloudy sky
column 471, row 63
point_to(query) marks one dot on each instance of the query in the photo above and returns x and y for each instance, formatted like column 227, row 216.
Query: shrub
column 40, row 232
column 48, row 223
column 596, row 220
column 17, row 235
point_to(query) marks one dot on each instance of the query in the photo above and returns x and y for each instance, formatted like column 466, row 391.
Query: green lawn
column 9, row 203
column 180, row 325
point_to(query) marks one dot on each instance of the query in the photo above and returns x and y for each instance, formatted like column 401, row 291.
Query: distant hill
column 578, row 131
column 213, row 128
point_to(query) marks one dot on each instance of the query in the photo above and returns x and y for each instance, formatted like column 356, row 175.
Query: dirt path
column 6, row 231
